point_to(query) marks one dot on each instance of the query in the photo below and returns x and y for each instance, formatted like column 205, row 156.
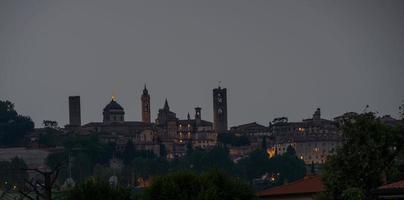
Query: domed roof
column 113, row 105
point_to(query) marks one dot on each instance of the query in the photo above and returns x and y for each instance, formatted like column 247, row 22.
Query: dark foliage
column 233, row 140
column 98, row 189
column 13, row 127
column 12, row 173
column 189, row 185
column 366, row 159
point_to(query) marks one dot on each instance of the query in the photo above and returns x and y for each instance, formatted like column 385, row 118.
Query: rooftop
column 395, row 185
column 307, row 185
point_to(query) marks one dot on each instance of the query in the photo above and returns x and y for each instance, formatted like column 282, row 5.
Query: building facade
column 175, row 135
column 254, row 132
column 313, row 139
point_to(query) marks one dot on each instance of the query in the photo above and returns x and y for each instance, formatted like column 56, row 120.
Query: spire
column 166, row 107
column 188, row 116
column 145, row 91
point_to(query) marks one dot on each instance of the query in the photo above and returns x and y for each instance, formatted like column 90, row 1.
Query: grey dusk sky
column 276, row 58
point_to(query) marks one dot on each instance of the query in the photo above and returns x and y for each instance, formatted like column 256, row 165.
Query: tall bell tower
column 145, row 105
column 220, row 109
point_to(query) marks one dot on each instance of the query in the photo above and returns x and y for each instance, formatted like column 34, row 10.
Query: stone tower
column 74, row 111
column 198, row 117
column 145, row 106
column 220, row 109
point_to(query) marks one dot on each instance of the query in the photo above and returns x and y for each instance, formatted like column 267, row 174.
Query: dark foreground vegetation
column 176, row 185
column 372, row 155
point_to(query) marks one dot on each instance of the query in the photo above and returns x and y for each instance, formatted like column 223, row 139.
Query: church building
column 169, row 132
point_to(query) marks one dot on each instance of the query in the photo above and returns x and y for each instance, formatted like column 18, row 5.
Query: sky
column 276, row 58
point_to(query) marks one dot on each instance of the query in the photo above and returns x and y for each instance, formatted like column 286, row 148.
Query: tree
column 241, row 141
column 364, row 161
column 189, row 185
column 312, row 168
column 99, row 189
column 13, row 127
column 232, row 139
column 41, row 188
column 189, row 146
column 264, row 143
column 286, row 166
column 84, row 152
column 147, row 167
column 163, row 151
column 10, row 173
column 291, row 151
column 128, row 153
column 203, row 160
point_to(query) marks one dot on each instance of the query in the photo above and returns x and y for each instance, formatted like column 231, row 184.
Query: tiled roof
column 125, row 123
column 193, row 122
column 250, row 125
column 307, row 185
column 395, row 185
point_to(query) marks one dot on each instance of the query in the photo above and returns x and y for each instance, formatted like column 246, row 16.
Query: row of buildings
column 167, row 131
column 313, row 139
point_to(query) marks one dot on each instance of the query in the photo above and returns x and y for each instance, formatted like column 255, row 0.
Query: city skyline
column 276, row 59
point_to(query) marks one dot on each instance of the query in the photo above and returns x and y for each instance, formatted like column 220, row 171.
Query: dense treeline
column 90, row 157
column 372, row 155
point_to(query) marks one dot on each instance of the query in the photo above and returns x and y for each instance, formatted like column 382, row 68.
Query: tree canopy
column 366, row 159
column 12, row 173
column 189, row 185
column 13, row 127
column 94, row 188
column 286, row 166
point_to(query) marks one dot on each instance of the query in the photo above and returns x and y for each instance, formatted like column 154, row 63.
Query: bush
column 189, row 185
column 98, row 189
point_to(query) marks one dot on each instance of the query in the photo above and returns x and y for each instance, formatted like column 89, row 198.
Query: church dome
column 113, row 112
column 113, row 105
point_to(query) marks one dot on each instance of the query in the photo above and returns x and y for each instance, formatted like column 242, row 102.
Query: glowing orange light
column 271, row 152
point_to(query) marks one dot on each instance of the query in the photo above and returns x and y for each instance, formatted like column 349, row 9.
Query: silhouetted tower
column 145, row 105
column 198, row 117
column 317, row 115
column 220, row 109
column 74, row 111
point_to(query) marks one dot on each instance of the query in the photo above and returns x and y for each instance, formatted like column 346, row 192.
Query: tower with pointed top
column 145, row 105
column 220, row 109
column 166, row 106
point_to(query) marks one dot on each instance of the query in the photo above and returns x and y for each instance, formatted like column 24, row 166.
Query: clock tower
column 220, row 109
column 145, row 105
